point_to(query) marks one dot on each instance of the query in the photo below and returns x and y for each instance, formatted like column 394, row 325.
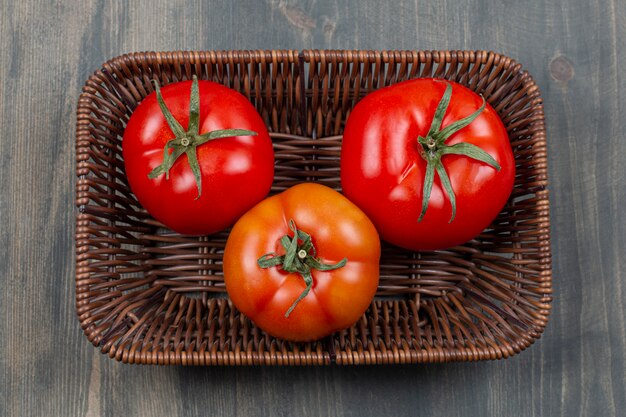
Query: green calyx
column 187, row 142
column 300, row 257
column 434, row 148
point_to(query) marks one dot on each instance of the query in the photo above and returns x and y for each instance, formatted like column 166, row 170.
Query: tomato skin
column 338, row 298
column 383, row 172
column 237, row 172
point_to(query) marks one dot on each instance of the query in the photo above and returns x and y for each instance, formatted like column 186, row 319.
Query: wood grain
column 47, row 367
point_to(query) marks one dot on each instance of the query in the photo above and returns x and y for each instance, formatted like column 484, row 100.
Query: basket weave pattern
column 147, row 295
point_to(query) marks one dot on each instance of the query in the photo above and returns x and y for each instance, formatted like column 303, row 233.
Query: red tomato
column 396, row 150
column 215, row 175
column 308, row 288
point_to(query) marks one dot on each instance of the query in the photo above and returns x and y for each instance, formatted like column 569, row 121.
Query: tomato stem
column 299, row 257
column 434, row 148
column 187, row 142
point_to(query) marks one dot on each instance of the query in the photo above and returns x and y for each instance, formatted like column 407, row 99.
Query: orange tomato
column 305, row 288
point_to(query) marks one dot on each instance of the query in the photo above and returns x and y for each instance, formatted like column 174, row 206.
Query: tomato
column 308, row 287
column 428, row 161
column 201, row 179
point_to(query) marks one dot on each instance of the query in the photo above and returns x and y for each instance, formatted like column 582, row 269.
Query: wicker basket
column 147, row 295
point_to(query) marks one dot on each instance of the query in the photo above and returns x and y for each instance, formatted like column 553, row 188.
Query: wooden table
column 578, row 367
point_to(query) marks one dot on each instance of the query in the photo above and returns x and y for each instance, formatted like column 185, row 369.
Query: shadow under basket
column 145, row 294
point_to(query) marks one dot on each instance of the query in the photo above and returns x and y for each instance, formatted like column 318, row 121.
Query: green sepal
column 194, row 108
column 223, row 133
column 292, row 249
column 188, row 142
column 293, row 263
column 472, row 151
column 429, row 179
column 451, row 129
column 445, row 181
column 168, row 160
column 440, row 112
column 192, row 157
column 316, row 264
column 270, row 259
column 308, row 280
column 434, row 148
column 175, row 127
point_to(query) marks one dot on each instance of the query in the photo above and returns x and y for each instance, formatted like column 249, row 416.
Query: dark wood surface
column 578, row 367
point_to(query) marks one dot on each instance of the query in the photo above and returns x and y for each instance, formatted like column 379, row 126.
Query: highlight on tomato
column 197, row 156
column 302, row 264
column 429, row 161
